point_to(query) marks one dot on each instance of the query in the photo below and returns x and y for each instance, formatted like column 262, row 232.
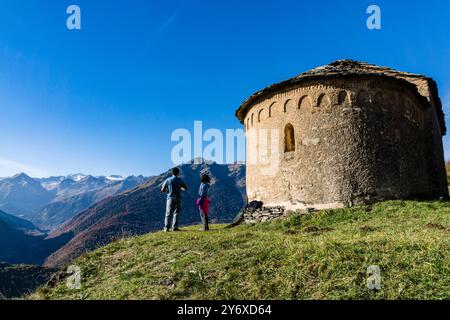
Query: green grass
column 323, row 255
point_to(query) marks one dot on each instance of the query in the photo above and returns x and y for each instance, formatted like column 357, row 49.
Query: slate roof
column 344, row 68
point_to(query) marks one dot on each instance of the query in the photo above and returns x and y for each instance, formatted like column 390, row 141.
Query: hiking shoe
column 166, row 230
column 176, row 229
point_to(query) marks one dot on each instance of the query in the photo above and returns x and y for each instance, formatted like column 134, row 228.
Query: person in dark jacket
column 173, row 186
column 203, row 201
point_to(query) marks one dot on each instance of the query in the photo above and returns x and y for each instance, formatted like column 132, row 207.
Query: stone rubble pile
column 264, row 214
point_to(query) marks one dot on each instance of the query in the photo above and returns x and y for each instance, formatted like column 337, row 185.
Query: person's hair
column 175, row 171
column 205, row 178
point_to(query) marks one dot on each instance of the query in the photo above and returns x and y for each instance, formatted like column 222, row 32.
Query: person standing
column 173, row 186
column 203, row 201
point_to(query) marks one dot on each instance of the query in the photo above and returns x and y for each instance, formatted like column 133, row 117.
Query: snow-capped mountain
column 115, row 178
column 20, row 195
column 83, row 182
column 49, row 202
column 76, row 177
column 51, row 183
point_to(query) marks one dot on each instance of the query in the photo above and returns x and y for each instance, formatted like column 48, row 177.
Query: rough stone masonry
column 350, row 133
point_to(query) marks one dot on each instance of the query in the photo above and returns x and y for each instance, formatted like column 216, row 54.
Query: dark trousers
column 204, row 220
column 173, row 208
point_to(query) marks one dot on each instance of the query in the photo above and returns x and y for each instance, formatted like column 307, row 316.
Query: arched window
column 363, row 99
column 378, row 99
column 289, row 138
column 342, row 97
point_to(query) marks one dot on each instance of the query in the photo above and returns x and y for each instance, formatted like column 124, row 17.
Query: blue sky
column 105, row 100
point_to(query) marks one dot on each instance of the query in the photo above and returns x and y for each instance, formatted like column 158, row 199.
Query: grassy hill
column 316, row 256
column 138, row 211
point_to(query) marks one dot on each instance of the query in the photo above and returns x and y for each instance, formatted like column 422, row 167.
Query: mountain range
column 21, row 195
column 50, row 202
column 71, row 215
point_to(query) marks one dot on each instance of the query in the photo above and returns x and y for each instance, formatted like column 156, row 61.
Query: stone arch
column 259, row 115
column 288, row 104
column 405, row 105
column 342, row 97
column 412, row 110
column 391, row 99
column 271, row 108
column 289, row 138
column 304, row 102
column 323, row 100
column 362, row 98
column 415, row 113
column 420, row 116
column 379, row 99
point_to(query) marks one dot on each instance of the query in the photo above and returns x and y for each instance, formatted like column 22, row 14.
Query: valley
column 19, row 280
column 86, row 212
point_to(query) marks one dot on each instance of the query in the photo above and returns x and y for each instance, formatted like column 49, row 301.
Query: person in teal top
column 204, row 201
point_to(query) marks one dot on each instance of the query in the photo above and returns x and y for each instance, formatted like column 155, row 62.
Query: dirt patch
column 435, row 226
column 291, row 232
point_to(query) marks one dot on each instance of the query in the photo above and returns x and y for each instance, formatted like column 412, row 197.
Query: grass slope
column 316, row 256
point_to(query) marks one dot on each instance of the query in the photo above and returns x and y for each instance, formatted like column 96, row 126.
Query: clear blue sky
column 105, row 100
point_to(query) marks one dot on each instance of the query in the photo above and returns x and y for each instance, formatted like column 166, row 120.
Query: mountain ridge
column 50, row 202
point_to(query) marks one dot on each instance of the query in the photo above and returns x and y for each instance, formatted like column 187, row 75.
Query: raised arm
column 164, row 186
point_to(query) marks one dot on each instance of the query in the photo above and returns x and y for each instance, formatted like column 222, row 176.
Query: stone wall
column 263, row 214
column 357, row 140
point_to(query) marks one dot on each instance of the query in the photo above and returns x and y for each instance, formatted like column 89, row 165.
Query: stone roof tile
column 342, row 68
